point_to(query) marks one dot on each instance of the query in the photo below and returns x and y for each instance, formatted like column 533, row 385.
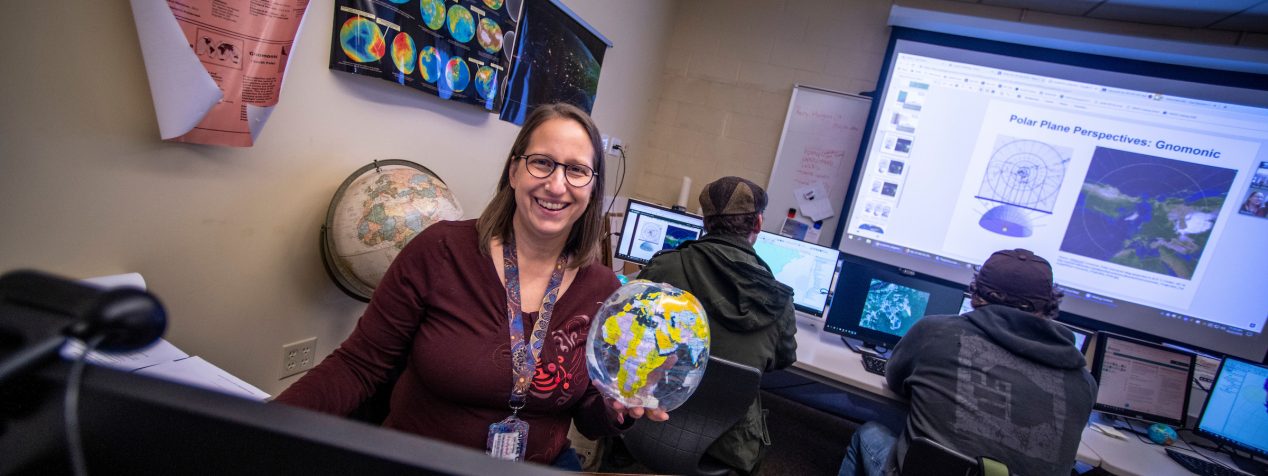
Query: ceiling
column 1232, row 15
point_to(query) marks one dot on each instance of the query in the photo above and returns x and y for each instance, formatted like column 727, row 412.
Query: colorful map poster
column 458, row 50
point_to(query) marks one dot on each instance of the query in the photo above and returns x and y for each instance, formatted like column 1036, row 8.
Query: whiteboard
column 819, row 144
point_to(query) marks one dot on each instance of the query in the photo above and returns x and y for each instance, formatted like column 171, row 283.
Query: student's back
column 996, row 382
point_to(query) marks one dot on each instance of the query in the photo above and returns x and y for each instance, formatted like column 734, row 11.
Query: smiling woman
column 566, row 135
column 465, row 305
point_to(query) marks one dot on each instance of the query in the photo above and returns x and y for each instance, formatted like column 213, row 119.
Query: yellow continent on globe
column 640, row 357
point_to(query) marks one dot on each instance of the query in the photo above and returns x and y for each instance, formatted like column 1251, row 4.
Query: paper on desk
column 159, row 352
column 813, row 200
column 216, row 66
column 117, row 281
column 199, row 373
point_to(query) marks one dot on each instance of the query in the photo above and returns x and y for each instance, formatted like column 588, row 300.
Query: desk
column 824, row 357
column 1134, row 457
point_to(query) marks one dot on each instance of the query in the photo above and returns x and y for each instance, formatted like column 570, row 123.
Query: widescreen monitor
column 1129, row 177
column 1142, row 380
column 806, row 267
column 1236, row 411
column 877, row 304
column 650, row 228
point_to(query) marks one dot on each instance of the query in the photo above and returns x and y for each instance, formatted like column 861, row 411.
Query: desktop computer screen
column 650, row 228
column 878, row 304
column 1236, row 412
column 806, row 267
column 1142, row 380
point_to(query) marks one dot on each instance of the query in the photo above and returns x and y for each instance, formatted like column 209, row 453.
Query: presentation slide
column 806, row 267
column 1149, row 196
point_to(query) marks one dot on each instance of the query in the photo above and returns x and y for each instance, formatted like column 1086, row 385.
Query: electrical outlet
column 612, row 145
column 298, row 356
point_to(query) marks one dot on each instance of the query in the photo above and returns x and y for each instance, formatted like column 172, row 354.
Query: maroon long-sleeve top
column 442, row 308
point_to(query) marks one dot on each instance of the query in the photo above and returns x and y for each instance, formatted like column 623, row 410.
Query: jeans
column 868, row 452
column 567, row 460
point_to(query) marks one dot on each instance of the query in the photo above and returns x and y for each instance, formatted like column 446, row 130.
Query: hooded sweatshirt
column 751, row 322
column 996, row 382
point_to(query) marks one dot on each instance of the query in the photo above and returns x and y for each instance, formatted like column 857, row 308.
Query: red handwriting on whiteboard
column 819, row 164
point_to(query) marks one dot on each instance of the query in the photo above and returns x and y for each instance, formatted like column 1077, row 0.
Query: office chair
column 926, row 457
column 677, row 445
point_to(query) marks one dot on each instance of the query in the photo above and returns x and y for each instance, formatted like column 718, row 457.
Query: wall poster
column 459, row 50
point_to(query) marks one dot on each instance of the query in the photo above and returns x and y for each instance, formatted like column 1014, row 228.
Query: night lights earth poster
column 457, row 50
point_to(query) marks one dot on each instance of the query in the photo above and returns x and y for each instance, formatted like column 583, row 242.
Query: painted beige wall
column 727, row 85
column 227, row 237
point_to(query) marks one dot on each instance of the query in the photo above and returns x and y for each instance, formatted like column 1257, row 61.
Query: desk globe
column 648, row 345
column 373, row 214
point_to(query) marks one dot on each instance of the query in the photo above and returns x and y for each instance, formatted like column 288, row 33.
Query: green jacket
column 751, row 322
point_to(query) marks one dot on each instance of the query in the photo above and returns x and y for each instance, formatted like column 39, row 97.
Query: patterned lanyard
column 524, row 361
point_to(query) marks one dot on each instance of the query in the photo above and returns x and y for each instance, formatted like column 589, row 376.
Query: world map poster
column 457, row 50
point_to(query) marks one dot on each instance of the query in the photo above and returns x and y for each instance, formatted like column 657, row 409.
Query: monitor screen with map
column 1235, row 414
column 806, row 267
column 1144, row 184
column 649, row 228
column 877, row 304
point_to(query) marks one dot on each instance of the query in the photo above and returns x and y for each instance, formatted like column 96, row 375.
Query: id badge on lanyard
column 508, row 439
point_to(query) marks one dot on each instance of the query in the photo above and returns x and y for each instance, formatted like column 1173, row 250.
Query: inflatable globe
column 374, row 213
column 648, row 345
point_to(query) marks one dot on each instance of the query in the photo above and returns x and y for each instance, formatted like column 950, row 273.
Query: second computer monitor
column 1236, row 413
column 877, row 304
column 806, row 267
column 650, row 228
column 1142, row 380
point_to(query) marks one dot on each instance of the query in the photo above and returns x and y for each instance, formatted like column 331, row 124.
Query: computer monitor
column 1082, row 337
column 1236, row 412
column 877, row 304
column 806, row 267
column 134, row 424
column 1142, row 380
column 649, row 228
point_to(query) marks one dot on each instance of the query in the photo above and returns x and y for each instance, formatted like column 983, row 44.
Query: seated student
column 751, row 317
column 1001, row 381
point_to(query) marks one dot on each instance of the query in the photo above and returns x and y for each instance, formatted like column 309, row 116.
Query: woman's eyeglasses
column 542, row 166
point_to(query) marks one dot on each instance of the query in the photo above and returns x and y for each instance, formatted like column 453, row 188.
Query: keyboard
column 1202, row 466
column 874, row 364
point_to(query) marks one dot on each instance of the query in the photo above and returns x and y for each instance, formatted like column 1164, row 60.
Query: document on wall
column 215, row 67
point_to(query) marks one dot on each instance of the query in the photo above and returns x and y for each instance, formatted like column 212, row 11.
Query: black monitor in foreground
column 1236, row 412
column 877, row 304
column 650, row 228
column 806, row 267
column 133, row 424
column 1142, row 380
